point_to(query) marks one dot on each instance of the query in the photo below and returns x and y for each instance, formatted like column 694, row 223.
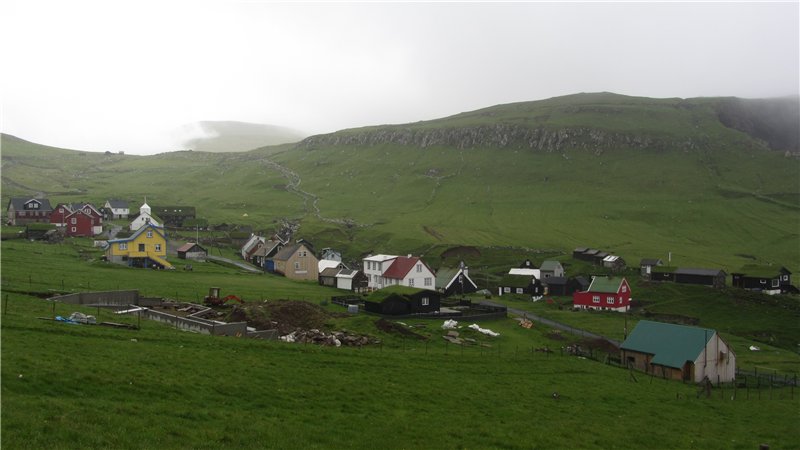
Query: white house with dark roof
column 145, row 217
column 117, row 209
column 390, row 270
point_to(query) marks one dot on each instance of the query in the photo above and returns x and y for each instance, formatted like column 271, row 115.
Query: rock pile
column 333, row 339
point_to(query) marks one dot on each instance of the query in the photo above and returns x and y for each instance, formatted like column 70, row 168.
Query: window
column 123, row 246
column 22, row 213
column 411, row 282
column 141, row 247
column 624, row 288
column 297, row 266
column 610, row 300
column 158, row 247
column 149, row 233
column 762, row 281
column 428, row 281
column 74, row 221
column 776, row 283
column 596, row 299
column 519, row 290
column 785, row 278
column 419, row 268
column 375, row 279
column 74, row 229
column 425, row 301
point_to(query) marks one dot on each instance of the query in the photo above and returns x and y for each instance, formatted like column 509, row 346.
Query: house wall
column 300, row 267
column 705, row 280
column 417, row 279
column 79, row 224
column 374, row 271
column 344, row 283
column 142, row 220
column 586, row 300
column 712, row 365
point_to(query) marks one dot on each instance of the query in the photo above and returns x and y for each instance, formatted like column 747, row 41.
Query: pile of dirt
column 284, row 315
column 396, row 328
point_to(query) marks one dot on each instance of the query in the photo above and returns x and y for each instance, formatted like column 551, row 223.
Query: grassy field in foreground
column 70, row 386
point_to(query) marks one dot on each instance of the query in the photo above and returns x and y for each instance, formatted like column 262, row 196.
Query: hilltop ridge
column 596, row 122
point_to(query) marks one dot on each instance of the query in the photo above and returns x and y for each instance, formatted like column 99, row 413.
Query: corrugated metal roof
column 527, row 272
column 671, row 345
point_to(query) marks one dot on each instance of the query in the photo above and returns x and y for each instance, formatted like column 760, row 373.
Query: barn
column 679, row 352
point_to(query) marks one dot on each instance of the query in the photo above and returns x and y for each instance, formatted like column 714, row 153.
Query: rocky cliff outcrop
column 500, row 136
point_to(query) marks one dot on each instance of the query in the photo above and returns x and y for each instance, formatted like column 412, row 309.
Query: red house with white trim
column 79, row 224
column 59, row 215
column 604, row 293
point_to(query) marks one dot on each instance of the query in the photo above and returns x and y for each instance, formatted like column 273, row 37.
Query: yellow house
column 147, row 247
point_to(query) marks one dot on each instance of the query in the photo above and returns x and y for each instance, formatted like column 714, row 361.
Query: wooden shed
column 400, row 300
column 192, row 250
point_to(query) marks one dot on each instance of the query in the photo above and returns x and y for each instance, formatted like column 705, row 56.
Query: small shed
column 551, row 268
column 614, row 262
column 192, row 250
column 328, row 276
column 352, row 280
column 647, row 264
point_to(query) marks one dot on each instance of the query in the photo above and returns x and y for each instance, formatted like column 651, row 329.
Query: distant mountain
column 229, row 136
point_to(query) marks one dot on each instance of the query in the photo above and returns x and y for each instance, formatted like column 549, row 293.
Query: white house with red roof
column 390, row 270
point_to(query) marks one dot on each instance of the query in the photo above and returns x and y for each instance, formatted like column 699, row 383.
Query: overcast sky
column 125, row 75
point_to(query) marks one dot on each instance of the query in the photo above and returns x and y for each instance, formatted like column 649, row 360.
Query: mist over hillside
column 231, row 136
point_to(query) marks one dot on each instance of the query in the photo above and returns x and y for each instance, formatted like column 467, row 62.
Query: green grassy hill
column 636, row 176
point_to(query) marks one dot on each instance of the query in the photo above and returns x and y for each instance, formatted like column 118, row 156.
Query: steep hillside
column 595, row 122
column 210, row 136
column 636, row 176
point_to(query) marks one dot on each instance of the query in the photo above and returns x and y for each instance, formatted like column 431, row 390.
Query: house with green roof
column 451, row 281
column 604, row 293
column 679, row 352
column 399, row 300
column 769, row 280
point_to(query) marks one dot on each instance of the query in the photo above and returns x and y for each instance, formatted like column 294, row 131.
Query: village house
column 389, row 270
column 22, row 211
column 80, row 224
column 116, row 209
column 295, row 261
column 451, row 281
column 397, row 300
column 192, row 250
column 551, row 268
column 265, row 252
column 520, row 284
column 613, row 262
column 174, row 216
column 679, row 352
column 562, row 286
column 683, row 275
column 147, row 247
column 604, row 293
column 251, row 245
column 768, row 280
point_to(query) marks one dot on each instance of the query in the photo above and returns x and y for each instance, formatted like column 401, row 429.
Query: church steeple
column 145, row 208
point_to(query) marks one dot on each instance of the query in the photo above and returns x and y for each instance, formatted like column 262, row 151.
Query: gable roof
column 189, row 245
column 550, row 265
column 286, row 252
column 401, row 266
column 159, row 230
column 117, row 204
column 324, row 264
column 608, row 285
column 19, row 203
column 329, row 272
column 527, row 272
column 650, row 262
column 447, row 276
column 671, row 345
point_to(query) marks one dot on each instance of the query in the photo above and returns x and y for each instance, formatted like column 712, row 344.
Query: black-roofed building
column 22, row 211
column 686, row 275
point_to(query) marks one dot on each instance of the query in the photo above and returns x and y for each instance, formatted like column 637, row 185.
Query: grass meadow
column 68, row 386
